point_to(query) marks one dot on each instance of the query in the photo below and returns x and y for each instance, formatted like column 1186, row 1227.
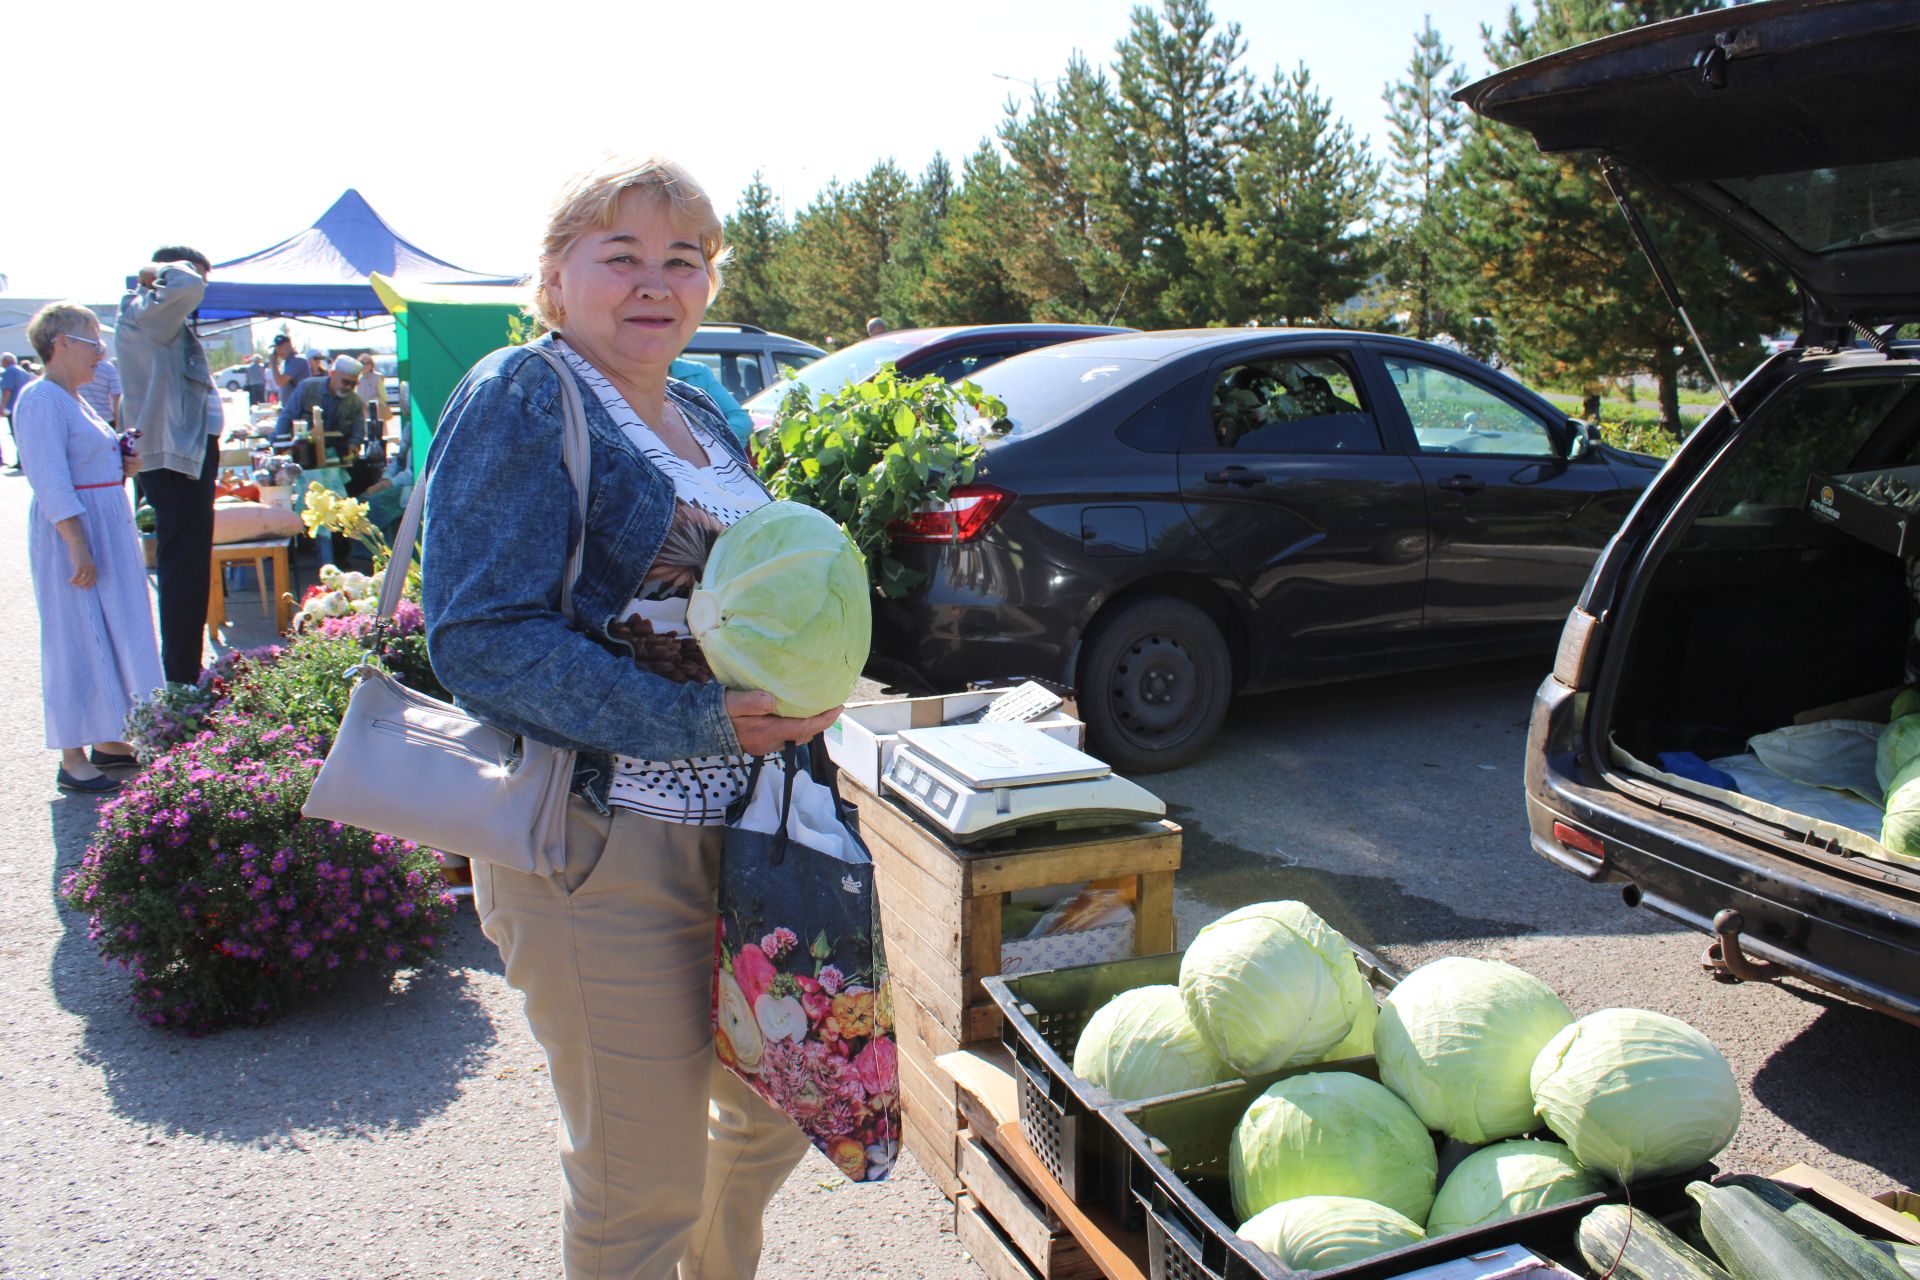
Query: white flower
column 780, row 1017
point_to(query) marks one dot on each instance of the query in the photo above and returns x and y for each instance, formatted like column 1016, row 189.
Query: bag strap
column 574, row 455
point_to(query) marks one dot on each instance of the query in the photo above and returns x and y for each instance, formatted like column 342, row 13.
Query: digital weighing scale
column 980, row 781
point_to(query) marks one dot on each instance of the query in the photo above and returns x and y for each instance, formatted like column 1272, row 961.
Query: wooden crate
column 982, row 1238
column 1046, row 1246
column 940, row 902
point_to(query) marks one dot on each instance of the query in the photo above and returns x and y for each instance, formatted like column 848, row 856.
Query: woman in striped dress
column 98, row 654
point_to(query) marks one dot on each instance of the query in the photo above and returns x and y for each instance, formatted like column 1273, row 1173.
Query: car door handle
column 1463, row 484
column 1236, row 475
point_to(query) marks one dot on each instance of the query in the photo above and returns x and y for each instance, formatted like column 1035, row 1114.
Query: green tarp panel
column 440, row 333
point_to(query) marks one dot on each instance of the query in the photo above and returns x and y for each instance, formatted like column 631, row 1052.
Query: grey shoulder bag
column 415, row 767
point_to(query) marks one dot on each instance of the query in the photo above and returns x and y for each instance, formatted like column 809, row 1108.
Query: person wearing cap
column 340, row 408
column 165, row 383
column 289, row 367
column 876, row 326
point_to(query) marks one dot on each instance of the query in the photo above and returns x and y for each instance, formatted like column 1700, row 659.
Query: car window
column 953, row 366
column 738, row 371
column 831, row 372
column 1452, row 414
column 788, row 361
column 1292, row 404
column 1045, row 387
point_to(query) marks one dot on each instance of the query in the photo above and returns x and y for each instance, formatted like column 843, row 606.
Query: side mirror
column 1585, row 436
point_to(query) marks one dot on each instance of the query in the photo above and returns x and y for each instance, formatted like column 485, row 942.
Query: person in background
column 696, row 373
column 97, row 651
column 165, row 381
column 875, row 327
column 290, row 367
column 256, row 381
column 667, row 1159
column 102, row 392
column 333, row 394
column 13, row 379
column 372, row 390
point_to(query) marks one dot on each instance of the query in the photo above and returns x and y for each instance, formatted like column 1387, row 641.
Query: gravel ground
column 390, row 1130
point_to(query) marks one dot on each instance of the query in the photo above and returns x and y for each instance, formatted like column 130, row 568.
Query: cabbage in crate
column 783, row 606
column 1272, row 985
column 1141, row 1044
column 1331, row 1133
column 1507, row 1179
column 1314, row 1233
column 1636, row 1094
column 1457, row 1039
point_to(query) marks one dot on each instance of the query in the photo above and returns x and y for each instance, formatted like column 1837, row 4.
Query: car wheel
column 1154, row 684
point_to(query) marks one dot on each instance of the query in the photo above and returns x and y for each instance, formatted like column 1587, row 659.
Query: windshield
column 1846, row 207
column 1045, row 387
column 830, row 373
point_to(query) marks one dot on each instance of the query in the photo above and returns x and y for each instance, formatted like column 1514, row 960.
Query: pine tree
column 972, row 276
column 1573, row 298
column 923, row 218
column 1421, row 254
column 1292, row 247
column 756, row 231
column 830, row 267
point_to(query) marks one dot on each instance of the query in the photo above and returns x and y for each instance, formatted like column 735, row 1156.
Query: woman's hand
column 84, row 572
column 129, row 465
column 760, row 731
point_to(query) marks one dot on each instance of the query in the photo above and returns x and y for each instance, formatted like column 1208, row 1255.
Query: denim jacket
column 501, row 520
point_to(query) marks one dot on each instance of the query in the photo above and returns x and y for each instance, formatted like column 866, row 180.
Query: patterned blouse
column 695, row 792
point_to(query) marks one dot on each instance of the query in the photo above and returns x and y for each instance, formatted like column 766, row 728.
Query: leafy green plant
column 876, row 452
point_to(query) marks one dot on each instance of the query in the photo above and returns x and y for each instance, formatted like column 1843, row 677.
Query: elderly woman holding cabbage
column 668, row 1160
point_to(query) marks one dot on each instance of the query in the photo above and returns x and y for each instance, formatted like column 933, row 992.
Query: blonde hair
column 57, row 318
column 590, row 201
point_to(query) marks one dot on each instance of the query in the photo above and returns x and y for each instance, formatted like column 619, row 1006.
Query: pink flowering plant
column 206, row 886
column 812, row 1034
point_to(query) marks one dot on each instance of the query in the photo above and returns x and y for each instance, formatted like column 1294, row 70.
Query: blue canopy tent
column 324, row 271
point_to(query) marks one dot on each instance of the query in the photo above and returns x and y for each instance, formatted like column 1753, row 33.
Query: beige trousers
column 615, row 960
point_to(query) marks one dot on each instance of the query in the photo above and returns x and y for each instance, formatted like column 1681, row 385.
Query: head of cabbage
column 1905, row 703
column 1899, row 747
column 1636, row 1094
column 1314, row 1233
column 1272, row 985
column 1141, row 1044
column 1457, row 1039
column 783, row 605
column 1900, row 826
column 1507, row 1179
column 1331, row 1133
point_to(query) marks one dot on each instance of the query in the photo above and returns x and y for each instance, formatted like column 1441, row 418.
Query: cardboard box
column 1878, row 1215
column 862, row 740
column 1060, row 950
column 1841, row 499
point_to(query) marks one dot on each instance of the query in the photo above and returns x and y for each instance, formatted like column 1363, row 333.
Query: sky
column 230, row 127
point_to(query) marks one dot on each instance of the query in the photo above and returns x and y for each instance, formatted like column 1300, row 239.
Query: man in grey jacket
column 165, row 384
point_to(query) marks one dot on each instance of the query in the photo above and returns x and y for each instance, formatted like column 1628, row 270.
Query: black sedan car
column 1166, row 519
column 954, row 352
column 1764, row 591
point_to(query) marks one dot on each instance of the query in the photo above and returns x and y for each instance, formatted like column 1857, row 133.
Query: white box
column 1061, row 950
column 862, row 740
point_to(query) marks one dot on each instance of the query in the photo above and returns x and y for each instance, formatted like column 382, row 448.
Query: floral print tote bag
column 801, row 1009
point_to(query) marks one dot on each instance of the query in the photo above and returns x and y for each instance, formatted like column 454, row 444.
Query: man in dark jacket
column 340, row 408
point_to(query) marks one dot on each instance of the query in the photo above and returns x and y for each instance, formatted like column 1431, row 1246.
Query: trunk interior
column 1761, row 616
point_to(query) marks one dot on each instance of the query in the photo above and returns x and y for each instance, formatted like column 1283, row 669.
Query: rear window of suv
column 1822, row 426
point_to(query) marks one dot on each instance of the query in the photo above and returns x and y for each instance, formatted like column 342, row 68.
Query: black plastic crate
column 1178, row 1176
column 1060, row 1113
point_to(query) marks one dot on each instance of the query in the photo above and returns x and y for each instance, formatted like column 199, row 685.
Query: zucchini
column 1849, row 1246
column 1755, row 1241
column 1644, row 1249
column 1905, row 1256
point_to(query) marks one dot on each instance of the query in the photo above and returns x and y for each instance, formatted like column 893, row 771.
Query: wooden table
column 259, row 554
column 940, row 908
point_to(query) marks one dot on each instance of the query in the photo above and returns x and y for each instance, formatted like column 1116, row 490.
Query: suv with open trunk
column 1707, row 736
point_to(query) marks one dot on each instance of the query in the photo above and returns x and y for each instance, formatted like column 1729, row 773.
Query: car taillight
column 968, row 512
column 1577, row 841
column 1576, row 642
